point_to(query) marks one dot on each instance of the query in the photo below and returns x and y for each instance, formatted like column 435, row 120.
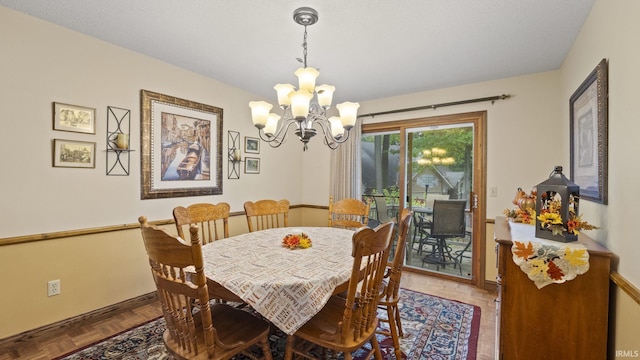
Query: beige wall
column 43, row 63
column 529, row 134
column 609, row 32
column 95, row 271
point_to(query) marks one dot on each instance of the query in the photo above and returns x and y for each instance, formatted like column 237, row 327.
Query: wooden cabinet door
column 559, row 321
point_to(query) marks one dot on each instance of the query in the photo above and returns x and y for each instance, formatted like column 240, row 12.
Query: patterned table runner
column 546, row 261
column 286, row 286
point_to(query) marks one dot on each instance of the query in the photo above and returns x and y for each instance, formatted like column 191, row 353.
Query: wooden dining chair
column 348, row 213
column 212, row 219
column 347, row 324
column 390, row 294
column 216, row 331
column 267, row 214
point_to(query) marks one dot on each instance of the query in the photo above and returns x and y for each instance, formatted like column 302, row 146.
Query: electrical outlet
column 53, row 287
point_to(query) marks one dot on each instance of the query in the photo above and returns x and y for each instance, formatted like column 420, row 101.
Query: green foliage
column 458, row 142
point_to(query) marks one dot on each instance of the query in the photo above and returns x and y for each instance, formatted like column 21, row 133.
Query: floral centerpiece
column 549, row 217
column 296, row 241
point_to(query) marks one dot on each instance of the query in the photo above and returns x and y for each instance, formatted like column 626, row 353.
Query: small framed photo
column 251, row 145
column 251, row 165
column 74, row 118
column 74, row 154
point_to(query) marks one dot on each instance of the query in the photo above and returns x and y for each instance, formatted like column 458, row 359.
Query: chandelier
column 299, row 107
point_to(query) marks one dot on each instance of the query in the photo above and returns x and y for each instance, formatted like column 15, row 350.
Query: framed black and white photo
column 251, row 145
column 251, row 165
column 74, row 118
column 74, row 154
column 588, row 108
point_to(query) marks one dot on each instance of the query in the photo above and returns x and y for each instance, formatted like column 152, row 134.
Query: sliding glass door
column 380, row 174
column 435, row 167
column 439, row 172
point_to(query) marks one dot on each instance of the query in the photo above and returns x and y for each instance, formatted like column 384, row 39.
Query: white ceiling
column 368, row 49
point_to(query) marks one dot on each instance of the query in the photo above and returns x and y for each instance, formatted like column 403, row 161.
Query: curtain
column 346, row 167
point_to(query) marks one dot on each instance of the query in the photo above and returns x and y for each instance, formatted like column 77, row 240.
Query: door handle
column 474, row 200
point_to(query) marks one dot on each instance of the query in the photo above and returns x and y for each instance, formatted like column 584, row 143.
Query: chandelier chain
column 304, row 47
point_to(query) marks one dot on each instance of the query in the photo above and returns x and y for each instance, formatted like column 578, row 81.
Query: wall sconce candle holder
column 118, row 141
column 234, row 155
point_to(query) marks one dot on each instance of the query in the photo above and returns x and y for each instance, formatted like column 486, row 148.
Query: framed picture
column 251, row 145
column 74, row 118
column 181, row 144
column 588, row 108
column 74, row 154
column 251, row 165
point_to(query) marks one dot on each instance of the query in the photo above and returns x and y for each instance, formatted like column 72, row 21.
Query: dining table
column 286, row 286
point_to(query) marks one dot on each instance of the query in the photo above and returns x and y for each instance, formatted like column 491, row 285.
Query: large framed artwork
column 588, row 108
column 181, row 147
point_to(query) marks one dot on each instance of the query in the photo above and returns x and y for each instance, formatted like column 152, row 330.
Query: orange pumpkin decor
column 524, row 201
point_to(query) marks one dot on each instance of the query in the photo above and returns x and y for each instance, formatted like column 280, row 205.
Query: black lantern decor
column 556, row 204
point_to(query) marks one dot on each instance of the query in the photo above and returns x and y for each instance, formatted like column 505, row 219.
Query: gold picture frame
column 74, row 154
column 181, row 147
column 588, row 107
column 74, row 118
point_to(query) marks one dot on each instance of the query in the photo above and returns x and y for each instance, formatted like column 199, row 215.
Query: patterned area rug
column 435, row 329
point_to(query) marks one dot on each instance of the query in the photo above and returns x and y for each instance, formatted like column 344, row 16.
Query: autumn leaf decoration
column 523, row 250
column 554, row 271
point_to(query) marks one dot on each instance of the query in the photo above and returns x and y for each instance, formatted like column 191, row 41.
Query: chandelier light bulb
column 272, row 124
column 325, row 95
column 260, row 113
column 337, row 130
column 307, row 78
column 348, row 113
column 283, row 91
column 300, row 104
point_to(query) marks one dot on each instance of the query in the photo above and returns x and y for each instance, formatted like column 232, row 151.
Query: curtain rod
column 435, row 106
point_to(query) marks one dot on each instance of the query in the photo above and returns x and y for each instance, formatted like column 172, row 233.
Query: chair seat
column 233, row 328
column 324, row 328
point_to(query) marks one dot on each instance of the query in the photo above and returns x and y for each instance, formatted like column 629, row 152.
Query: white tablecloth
column 286, row 286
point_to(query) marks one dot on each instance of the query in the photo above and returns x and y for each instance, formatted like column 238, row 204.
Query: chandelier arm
column 271, row 140
column 280, row 135
column 329, row 139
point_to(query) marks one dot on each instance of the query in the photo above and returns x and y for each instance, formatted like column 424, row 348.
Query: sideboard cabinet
column 559, row 321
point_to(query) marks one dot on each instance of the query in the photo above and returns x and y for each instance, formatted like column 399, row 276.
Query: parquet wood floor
column 53, row 342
